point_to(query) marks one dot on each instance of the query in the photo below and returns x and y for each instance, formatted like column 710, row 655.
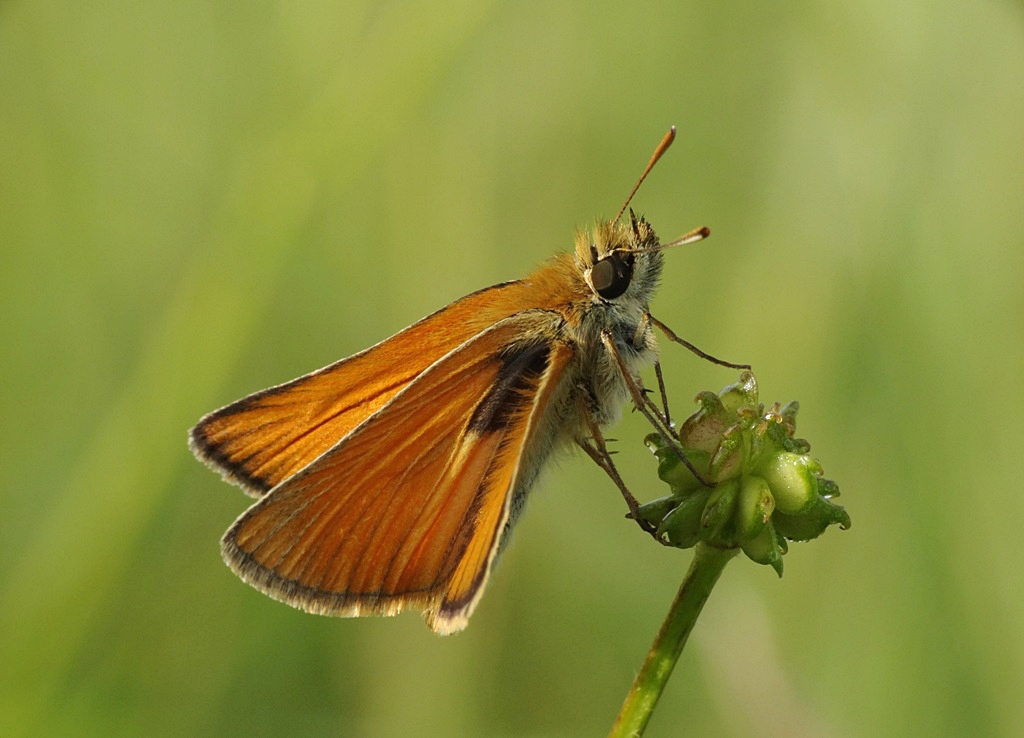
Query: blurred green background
column 198, row 200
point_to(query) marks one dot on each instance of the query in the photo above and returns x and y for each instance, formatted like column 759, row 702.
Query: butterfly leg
column 597, row 449
column 639, row 339
column 663, row 391
column 647, row 407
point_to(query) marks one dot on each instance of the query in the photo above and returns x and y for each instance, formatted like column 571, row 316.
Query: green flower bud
column 812, row 520
column 682, row 526
column 728, row 457
column 716, row 521
column 654, row 511
column 742, row 393
column 766, row 547
column 703, row 430
column 754, row 507
column 760, row 486
column 793, row 479
column 672, row 470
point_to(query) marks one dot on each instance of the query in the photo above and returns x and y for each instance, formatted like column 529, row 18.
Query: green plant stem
column 705, row 569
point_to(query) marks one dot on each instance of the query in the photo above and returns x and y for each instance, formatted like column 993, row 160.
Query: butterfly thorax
column 605, row 286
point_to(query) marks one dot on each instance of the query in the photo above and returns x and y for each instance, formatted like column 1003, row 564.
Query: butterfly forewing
column 266, row 437
column 406, row 511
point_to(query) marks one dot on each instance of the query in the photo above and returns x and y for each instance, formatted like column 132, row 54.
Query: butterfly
column 389, row 480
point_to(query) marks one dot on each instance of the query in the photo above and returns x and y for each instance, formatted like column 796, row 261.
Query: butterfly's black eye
column 611, row 275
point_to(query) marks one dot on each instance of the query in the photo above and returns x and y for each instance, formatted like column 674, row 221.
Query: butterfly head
column 620, row 261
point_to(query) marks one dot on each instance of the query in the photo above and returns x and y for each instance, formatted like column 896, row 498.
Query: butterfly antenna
column 662, row 148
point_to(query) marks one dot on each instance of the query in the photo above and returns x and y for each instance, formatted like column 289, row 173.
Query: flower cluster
column 757, row 486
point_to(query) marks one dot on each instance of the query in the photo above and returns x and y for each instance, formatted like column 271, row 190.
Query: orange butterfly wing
column 407, row 510
column 266, row 437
